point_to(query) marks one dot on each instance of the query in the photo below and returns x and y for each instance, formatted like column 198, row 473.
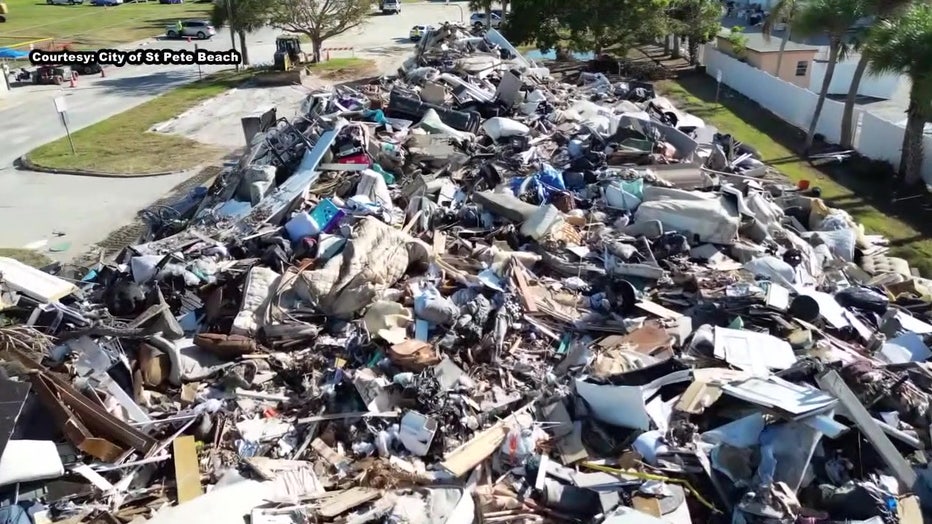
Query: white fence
column 876, row 86
column 877, row 138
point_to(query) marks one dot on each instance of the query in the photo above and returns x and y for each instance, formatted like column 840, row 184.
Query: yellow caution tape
column 651, row 476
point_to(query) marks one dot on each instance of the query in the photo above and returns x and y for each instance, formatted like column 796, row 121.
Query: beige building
column 797, row 58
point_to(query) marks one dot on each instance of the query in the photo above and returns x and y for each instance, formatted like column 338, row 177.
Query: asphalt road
column 82, row 210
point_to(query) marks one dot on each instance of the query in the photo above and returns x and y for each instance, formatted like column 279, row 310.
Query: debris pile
column 475, row 293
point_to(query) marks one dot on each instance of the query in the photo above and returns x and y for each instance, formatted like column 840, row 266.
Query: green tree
column 832, row 18
column 320, row 20
column 781, row 13
column 903, row 45
column 881, row 10
column 697, row 20
column 242, row 16
column 586, row 25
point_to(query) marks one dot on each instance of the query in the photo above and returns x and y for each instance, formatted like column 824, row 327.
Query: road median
column 124, row 146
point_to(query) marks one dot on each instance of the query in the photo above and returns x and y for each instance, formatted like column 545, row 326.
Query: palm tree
column 242, row 16
column 833, row 18
column 881, row 10
column 783, row 13
column 903, row 45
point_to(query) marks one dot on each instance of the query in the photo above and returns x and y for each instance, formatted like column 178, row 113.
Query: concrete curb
column 25, row 163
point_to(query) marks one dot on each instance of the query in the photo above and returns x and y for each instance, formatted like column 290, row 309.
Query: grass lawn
column 343, row 68
column 87, row 26
column 335, row 64
column 26, row 256
column 123, row 145
column 863, row 193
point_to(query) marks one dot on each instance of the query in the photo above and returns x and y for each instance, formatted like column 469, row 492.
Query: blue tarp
column 9, row 52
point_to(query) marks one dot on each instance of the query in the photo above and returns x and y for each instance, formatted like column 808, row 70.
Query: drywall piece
column 776, row 393
column 833, row 383
column 33, row 283
column 187, row 471
column 753, row 351
column 29, row 460
column 229, row 503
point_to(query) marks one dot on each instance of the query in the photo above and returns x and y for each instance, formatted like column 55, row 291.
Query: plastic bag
column 863, row 298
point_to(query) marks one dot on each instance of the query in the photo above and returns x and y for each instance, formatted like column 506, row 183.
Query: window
column 802, row 67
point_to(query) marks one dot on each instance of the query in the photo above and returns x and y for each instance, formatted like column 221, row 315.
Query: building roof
column 757, row 42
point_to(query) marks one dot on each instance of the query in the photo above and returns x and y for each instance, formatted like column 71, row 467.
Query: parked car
column 200, row 29
column 418, row 31
column 390, row 7
column 478, row 19
column 106, row 3
column 64, row 2
column 171, row 1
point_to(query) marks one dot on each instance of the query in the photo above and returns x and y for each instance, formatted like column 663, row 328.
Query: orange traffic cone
column 189, row 39
column 74, row 79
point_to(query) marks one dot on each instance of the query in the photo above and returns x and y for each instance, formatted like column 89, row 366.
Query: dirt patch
column 217, row 121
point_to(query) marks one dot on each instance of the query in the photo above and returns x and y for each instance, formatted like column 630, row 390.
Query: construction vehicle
column 288, row 54
column 50, row 74
column 3, row 11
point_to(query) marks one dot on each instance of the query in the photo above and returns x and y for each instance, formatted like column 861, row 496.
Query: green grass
column 122, row 144
column 340, row 64
column 26, row 256
column 87, row 26
column 863, row 191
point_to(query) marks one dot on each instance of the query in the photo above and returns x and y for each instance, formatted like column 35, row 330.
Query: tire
column 171, row 34
column 201, row 35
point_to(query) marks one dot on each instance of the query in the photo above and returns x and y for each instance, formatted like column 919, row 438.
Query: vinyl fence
column 877, row 86
column 877, row 138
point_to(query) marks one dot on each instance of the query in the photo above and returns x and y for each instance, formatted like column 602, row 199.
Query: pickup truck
column 390, row 7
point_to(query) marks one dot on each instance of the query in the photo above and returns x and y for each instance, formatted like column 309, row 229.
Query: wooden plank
column 347, row 501
column 657, row 309
column 96, row 419
column 187, row 471
column 529, row 300
column 832, row 382
column 472, row 453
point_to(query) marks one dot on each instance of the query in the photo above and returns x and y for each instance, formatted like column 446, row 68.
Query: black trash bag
column 856, row 502
column 670, row 244
column 125, row 298
column 863, row 298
